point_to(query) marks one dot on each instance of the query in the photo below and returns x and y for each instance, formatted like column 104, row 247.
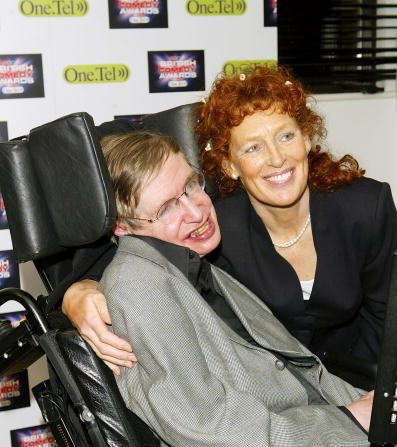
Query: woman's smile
column 280, row 178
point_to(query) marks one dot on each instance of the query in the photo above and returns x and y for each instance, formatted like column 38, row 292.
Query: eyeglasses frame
column 156, row 219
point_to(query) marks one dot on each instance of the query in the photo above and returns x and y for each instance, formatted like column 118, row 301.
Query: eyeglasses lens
column 170, row 210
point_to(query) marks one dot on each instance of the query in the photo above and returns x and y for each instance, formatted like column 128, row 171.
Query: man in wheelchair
column 215, row 367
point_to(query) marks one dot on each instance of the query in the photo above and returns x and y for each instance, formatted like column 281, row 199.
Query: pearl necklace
column 295, row 239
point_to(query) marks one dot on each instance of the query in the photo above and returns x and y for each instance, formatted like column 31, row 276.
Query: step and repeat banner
column 115, row 58
column 122, row 57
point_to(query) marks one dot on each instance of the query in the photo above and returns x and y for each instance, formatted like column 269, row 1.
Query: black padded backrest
column 27, row 212
column 46, row 178
column 179, row 124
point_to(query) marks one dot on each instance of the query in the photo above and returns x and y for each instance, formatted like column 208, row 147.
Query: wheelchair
column 58, row 198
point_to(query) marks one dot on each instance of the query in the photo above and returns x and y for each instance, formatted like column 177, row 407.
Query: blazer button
column 280, row 365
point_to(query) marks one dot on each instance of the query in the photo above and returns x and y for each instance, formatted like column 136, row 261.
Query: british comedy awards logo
column 3, row 218
column 270, row 12
column 21, row 76
column 37, row 436
column 135, row 121
column 138, row 14
column 14, row 391
column 176, row 71
column 9, row 270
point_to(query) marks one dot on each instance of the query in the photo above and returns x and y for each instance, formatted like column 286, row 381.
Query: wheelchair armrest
column 18, row 349
column 100, row 392
column 19, row 346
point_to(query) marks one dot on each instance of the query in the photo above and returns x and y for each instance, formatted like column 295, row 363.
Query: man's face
column 195, row 226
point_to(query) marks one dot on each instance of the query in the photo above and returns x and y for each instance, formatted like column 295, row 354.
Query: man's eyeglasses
column 170, row 210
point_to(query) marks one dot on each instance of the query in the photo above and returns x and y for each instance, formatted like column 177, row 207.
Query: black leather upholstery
column 179, row 124
column 31, row 230
column 45, row 178
column 98, row 387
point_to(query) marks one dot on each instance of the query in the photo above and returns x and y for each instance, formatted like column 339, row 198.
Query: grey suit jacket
column 197, row 383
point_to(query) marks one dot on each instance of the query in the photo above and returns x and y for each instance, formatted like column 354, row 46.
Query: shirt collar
column 186, row 260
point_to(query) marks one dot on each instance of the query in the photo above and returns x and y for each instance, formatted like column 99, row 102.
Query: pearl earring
column 234, row 176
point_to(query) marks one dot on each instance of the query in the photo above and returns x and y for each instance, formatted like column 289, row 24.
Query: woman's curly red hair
column 232, row 98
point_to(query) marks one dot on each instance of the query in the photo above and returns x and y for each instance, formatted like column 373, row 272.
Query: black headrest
column 178, row 123
column 56, row 188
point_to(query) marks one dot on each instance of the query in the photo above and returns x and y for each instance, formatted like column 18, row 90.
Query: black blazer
column 354, row 231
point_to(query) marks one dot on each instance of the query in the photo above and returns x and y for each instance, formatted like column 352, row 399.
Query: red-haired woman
column 308, row 233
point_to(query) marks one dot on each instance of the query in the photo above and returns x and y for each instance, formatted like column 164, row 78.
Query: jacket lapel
column 257, row 318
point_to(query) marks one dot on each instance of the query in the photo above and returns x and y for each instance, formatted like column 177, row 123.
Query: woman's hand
column 86, row 308
column 361, row 409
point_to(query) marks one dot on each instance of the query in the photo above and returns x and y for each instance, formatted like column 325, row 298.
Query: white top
column 307, row 287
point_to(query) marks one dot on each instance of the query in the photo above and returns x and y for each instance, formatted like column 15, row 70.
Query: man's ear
column 121, row 229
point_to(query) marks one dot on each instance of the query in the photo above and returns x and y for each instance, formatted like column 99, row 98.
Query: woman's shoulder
column 364, row 187
column 362, row 201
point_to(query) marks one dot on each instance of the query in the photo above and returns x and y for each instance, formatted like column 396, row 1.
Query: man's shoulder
column 137, row 260
column 138, row 251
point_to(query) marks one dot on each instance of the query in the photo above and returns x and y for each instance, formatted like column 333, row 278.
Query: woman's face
column 270, row 155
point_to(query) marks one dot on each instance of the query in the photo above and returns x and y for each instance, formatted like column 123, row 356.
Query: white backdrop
column 366, row 127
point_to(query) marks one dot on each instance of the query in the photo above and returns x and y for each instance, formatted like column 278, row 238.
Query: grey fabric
column 197, row 383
